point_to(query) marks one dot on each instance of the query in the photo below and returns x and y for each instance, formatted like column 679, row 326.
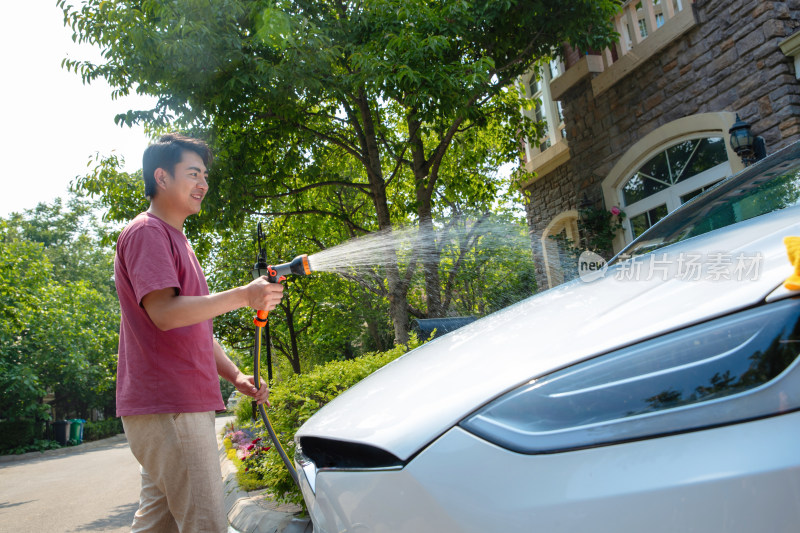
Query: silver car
column 662, row 396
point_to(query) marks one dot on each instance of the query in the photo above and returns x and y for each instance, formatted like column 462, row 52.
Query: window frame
column 538, row 90
column 714, row 124
column 671, row 196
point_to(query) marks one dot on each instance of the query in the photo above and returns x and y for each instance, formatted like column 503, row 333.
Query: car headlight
column 735, row 368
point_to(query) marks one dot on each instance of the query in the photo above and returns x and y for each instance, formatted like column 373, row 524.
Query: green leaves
column 355, row 115
column 118, row 193
column 273, row 28
column 58, row 331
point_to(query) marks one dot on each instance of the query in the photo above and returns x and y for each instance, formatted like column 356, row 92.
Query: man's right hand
column 263, row 295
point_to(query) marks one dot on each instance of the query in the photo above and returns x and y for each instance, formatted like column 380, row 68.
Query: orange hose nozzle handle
column 261, row 318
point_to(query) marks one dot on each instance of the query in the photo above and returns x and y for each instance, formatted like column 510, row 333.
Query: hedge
column 295, row 400
column 102, row 429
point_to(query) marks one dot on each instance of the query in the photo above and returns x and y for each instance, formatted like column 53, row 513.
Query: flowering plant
column 248, row 450
column 245, row 445
column 598, row 227
column 239, row 436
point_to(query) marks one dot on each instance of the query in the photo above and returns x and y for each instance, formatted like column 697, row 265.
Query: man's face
column 188, row 185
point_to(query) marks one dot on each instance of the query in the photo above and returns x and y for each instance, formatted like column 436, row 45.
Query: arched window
column 667, row 167
column 669, row 178
column 558, row 264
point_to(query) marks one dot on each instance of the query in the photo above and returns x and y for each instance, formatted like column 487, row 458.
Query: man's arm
column 244, row 384
column 168, row 310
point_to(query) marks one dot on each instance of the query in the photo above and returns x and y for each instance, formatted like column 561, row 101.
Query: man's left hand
column 246, row 385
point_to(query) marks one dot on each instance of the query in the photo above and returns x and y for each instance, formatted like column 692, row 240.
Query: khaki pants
column 181, row 477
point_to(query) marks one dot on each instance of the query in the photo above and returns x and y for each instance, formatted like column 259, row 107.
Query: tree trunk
column 374, row 333
column 429, row 247
column 291, row 352
column 374, row 330
column 397, row 290
column 430, row 265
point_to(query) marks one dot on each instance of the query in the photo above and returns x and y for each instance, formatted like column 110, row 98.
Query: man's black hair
column 167, row 153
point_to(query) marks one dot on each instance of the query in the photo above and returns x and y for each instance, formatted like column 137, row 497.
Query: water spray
column 298, row 266
column 359, row 257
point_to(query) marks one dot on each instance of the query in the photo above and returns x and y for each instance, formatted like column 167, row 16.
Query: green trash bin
column 76, row 430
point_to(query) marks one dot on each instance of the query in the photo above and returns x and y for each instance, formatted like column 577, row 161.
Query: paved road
column 92, row 487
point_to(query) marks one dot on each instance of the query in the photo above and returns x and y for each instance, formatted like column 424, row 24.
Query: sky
column 51, row 124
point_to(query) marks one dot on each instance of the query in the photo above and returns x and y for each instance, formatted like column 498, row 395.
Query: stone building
column 644, row 126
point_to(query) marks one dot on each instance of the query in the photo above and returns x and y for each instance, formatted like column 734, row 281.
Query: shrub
column 296, row 399
column 243, row 411
column 102, row 429
column 225, row 389
column 38, row 445
column 16, row 433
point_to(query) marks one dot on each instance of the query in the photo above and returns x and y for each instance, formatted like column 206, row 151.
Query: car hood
column 410, row 402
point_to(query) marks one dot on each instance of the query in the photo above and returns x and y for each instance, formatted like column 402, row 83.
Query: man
column 167, row 385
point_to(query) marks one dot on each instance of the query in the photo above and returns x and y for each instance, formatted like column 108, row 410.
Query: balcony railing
column 638, row 20
column 645, row 28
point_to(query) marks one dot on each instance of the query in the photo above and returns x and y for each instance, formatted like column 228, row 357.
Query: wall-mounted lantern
column 750, row 148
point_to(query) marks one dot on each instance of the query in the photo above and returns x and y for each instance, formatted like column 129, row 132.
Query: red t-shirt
column 161, row 371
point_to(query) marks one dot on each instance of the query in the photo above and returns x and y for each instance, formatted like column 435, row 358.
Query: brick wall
column 731, row 61
column 555, row 194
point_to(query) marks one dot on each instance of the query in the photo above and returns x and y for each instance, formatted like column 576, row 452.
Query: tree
column 23, row 277
column 69, row 233
column 74, row 350
column 306, row 96
column 58, row 327
column 497, row 267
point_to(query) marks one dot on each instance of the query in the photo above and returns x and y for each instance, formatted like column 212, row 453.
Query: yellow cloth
column 793, row 249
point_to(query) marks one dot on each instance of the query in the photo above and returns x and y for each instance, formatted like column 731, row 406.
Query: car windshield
column 768, row 186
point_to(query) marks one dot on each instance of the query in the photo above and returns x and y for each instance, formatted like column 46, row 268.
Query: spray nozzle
column 298, row 266
column 277, row 273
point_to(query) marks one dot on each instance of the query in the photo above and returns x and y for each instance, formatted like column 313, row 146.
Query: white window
column 669, row 178
column 555, row 68
column 642, row 28
column 657, row 8
column 545, row 109
column 539, row 116
column 563, row 130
